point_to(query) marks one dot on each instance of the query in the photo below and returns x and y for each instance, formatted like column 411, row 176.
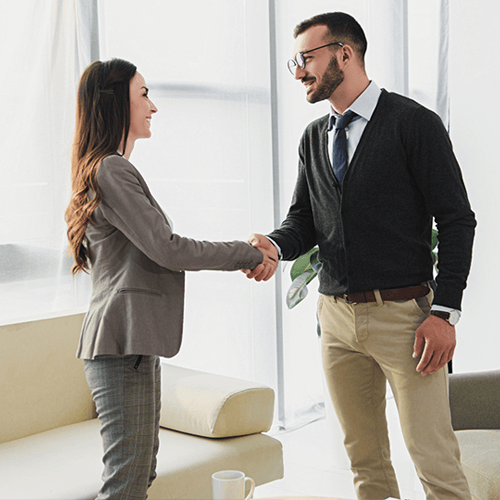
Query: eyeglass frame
column 293, row 61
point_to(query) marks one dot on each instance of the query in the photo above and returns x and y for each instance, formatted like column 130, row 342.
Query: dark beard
column 332, row 78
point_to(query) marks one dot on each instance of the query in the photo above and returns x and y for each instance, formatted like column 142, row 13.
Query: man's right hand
column 267, row 268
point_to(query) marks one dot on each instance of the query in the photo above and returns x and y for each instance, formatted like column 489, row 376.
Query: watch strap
column 441, row 314
column 447, row 316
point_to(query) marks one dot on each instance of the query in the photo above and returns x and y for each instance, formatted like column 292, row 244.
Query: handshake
column 267, row 268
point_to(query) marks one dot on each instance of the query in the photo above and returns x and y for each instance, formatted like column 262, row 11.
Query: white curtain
column 474, row 129
column 222, row 159
column 208, row 162
column 43, row 47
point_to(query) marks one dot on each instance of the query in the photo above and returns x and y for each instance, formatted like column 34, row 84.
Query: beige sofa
column 50, row 446
column 475, row 410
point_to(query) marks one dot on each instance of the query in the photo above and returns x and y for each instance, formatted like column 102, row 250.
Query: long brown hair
column 102, row 121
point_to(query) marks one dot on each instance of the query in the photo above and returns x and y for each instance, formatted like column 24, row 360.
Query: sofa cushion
column 186, row 463
column 481, row 461
column 65, row 464
column 213, row 406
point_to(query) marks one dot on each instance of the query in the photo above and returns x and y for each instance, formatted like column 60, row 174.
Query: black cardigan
column 375, row 231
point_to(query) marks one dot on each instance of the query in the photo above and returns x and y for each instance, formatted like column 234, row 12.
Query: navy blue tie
column 339, row 157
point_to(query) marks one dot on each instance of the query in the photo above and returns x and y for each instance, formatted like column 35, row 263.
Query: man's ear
column 347, row 53
column 346, row 56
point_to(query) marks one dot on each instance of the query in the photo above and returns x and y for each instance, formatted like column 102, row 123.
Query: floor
column 309, row 467
column 312, row 469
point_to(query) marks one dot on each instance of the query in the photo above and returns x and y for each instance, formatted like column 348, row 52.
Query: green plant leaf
column 298, row 289
column 434, row 240
column 303, row 263
column 315, row 263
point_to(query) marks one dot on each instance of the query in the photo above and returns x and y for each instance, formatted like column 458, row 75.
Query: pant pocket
column 137, row 362
column 423, row 305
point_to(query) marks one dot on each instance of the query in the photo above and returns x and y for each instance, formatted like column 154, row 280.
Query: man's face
column 321, row 75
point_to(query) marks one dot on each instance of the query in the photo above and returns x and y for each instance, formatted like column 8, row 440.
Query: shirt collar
column 364, row 105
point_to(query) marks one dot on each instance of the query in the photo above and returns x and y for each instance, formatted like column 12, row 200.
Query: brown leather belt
column 407, row 293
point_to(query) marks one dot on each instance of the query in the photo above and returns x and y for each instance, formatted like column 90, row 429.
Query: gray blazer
column 137, row 268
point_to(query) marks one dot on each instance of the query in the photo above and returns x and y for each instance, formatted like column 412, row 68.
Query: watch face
column 454, row 317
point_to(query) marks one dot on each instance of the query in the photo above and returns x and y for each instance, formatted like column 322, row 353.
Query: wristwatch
column 451, row 317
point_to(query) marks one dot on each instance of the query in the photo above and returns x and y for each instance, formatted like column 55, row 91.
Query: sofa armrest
column 213, row 406
column 475, row 400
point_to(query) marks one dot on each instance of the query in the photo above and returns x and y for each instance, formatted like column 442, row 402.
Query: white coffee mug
column 230, row 485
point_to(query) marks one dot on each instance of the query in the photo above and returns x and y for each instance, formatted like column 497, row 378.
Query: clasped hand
column 267, row 268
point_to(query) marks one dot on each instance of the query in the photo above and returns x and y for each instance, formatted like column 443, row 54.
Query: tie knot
column 341, row 121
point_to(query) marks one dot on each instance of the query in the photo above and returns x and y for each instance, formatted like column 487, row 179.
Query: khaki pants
column 363, row 345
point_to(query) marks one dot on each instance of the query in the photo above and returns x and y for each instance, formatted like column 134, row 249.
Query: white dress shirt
column 363, row 106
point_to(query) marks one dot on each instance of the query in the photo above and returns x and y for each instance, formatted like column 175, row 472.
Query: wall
column 475, row 108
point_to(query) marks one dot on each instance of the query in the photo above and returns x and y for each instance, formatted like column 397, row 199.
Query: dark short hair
column 342, row 27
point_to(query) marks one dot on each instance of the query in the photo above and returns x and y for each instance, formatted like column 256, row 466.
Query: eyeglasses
column 299, row 60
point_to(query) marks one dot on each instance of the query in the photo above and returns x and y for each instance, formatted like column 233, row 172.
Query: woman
column 118, row 231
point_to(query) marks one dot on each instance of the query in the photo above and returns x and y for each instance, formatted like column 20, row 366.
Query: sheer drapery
column 208, row 162
column 44, row 47
column 222, row 159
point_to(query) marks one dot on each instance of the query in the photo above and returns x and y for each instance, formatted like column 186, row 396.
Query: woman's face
column 141, row 109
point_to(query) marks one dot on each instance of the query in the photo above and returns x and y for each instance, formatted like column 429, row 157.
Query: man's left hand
column 435, row 341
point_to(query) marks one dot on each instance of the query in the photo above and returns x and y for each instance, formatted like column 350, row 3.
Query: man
column 372, row 221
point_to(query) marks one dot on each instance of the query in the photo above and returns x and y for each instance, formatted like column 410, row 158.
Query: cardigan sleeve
column 439, row 178
column 126, row 206
column 297, row 235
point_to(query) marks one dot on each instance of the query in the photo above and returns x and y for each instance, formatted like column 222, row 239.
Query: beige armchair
column 475, row 409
